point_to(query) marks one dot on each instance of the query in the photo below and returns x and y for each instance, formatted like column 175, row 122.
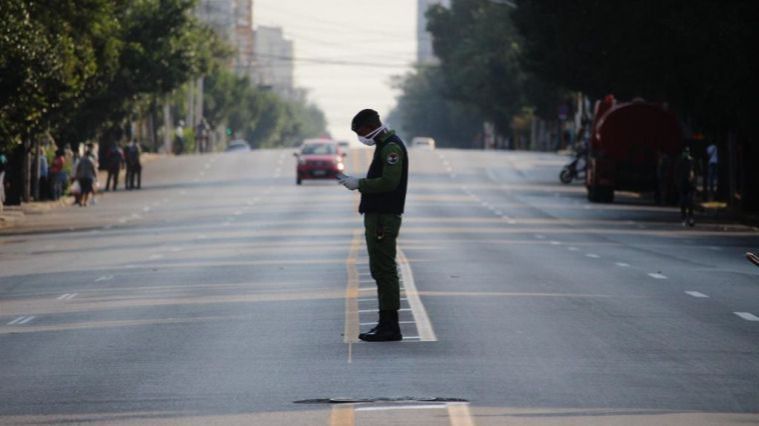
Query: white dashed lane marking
column 696, row 294
column 622, row 264
column 67, row 296
column 592, row 255
column 104, row 278
column 21, row 320
column 657, row 275
column 747, row 316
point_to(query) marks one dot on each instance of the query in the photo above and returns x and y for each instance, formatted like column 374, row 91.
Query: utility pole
column 167, row 125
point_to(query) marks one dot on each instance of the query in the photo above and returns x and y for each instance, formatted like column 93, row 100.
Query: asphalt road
column 222, row 293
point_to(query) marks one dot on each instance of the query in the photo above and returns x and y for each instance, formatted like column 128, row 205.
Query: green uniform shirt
column 393, row 157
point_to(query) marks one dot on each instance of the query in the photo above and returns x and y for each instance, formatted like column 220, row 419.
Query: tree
column 49, row 54
column 163, row 46
column 423, row 110
column 697, row 55
column 258, row 115
column 480, row 51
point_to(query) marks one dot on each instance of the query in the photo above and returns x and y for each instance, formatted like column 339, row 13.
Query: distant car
column 319, row 159
column 238, row 145
column 423, row 143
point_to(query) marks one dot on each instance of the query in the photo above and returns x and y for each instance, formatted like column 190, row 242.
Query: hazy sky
column 376, row 38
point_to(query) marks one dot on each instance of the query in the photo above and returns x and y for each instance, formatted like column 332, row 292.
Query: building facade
column 233, row 21
column 274, row 66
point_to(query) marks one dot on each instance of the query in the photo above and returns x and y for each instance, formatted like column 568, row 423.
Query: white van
column 423, row 142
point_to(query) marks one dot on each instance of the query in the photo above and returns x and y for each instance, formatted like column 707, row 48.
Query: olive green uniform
column 383, row 194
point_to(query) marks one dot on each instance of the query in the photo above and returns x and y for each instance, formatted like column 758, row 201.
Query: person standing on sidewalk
column 114, row 163
column 86, row 173
column 713, row 154
column 57, row 174
column 3, row 162
column 133, row 166
column 685, row 179
column 383, row 196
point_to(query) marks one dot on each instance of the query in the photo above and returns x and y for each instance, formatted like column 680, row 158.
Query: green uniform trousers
column 381, row 233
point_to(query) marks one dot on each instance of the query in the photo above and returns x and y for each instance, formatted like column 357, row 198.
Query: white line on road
column 555, row 243
column 21, row 320
column 747, row 316
column 399, row 322
column 592, row 255
column 68, row 296
column 15, row 321
column 573, row 249
column 696, row 294
column 657, row 275
column 423, row 323
column 622, row 264
column 364, row 311
column 156, row 256
column 104, row 278
column 540, row 237
column 404, row 407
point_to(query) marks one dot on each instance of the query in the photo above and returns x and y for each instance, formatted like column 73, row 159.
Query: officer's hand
column 349, row 182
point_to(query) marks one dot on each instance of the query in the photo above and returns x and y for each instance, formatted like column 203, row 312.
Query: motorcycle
column 574, row 170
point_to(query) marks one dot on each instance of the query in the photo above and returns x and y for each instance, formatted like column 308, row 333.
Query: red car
column 319, row 159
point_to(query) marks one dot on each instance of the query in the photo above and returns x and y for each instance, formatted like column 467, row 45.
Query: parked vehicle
column 423, row 142
column 238, row 145
column 632, row 147
column 318, row 159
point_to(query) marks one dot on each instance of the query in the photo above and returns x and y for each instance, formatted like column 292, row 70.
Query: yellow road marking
column 459, row 415
column 342, row 415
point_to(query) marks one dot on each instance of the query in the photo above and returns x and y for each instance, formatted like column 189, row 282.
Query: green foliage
column 163, row 46
column 49, row 54
column 480, row 52
column 698, row 54
column 423, row 110
column 258, row 115
column 79, row 67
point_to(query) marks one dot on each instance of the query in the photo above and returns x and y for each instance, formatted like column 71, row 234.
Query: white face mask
column 368, row 140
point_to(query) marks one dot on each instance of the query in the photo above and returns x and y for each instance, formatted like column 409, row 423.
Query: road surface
column 222, row 293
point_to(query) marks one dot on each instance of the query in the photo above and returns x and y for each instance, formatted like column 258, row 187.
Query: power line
column 325, row 61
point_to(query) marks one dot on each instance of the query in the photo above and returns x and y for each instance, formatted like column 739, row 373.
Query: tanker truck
column 633, row 147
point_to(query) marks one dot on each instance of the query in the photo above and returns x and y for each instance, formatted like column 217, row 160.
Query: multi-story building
column 424, row 53
column 233, row 20
column 274, row 68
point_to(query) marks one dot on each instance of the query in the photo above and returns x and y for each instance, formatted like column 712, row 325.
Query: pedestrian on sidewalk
column 179, row 138
column 86, row 173
column 383, row 196
column 133, row 166
column 3, row 163
column 43, row 173
column 114, row 163
column 57, row 174
column 713, row 166
column 685, row 179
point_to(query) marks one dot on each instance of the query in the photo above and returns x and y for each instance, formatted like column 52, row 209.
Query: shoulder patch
column 393, row 158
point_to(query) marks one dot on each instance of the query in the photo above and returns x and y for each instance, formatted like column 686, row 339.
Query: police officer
column 383, row 195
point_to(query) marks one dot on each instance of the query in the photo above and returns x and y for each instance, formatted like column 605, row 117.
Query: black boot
column 387, row 330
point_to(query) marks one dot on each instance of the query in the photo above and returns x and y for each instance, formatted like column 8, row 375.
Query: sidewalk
column 12, row 215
